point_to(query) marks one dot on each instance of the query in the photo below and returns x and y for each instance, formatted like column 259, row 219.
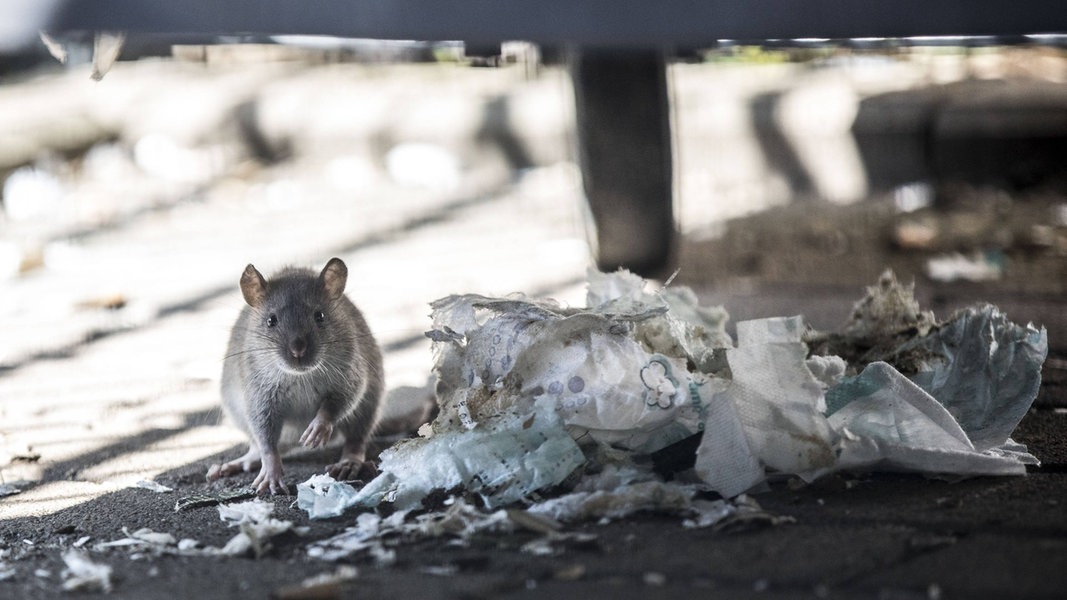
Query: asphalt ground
column 114, row 328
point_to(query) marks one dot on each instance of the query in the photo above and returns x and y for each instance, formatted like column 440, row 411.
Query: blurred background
column 131, row 204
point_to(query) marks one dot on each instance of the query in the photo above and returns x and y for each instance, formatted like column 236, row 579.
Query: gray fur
column 280, row 372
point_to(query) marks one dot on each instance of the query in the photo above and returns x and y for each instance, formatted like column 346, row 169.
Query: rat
column 300, row 355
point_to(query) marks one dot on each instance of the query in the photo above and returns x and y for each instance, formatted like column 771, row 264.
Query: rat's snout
column 298, row 348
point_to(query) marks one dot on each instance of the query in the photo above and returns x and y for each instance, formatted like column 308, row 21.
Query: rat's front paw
column 214, row 472
column 318, row 432
column 344, row 469
column 348, row 470
column 270, row 479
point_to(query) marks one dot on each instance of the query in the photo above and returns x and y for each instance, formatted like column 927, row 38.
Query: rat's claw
column 266, row 484
column 343, row 469
column 318, row 432
column 270, row 479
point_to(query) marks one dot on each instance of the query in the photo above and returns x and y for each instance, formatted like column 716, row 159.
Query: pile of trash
column 641, row 400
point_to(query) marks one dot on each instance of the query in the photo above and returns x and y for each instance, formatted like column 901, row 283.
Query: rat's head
column 295, row 311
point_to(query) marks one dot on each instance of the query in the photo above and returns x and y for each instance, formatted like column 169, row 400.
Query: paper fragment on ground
column 141, row 538
column 7, row 571
column 459, row 520
column 366, row 536
column 608, row 505
column 256, row 526
column 373, row 535
column 324, row 585
column 82, row 574
column 778, row 402
column 153, row 486
column 252, row 518
column 323, row 497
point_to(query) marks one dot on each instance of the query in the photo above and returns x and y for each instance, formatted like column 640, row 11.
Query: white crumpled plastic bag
column 953, row 417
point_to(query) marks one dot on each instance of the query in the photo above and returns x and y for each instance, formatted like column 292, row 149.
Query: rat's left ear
column 333, row 278
column 253, row 287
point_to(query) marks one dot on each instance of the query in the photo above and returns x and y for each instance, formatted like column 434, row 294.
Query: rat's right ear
column 253, row 287
column 333, row 278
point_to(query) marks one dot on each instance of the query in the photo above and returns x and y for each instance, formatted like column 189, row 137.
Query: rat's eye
column 320, row 316
column 272, row 320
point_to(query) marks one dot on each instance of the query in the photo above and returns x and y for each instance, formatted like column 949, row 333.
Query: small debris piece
column 983, row 266
column 9, row 489
column 106, row 48
column 213, row 499
column 152, row 537
column 654, row 578
column 440, row 570
column 54, row 47
column 7, row 571
column 554, row 544
column 153, row 486
column 540, row 547
column 257, row 528
column 571, row 573
column 607, row 505
column 320, row 587
column 142, row 538
column 253, row 511
column 83, row 574
column 114, row 301
column 28, row 456
column 749, row 515
column 535, row 523
column 323, row 497
column 883, row 319
column 365, row 536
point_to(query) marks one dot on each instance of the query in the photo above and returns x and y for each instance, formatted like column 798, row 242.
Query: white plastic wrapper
column 986, row 372
column 324, row 497
column 504, row 460
column 978, row 375
column 530, row 391
column 894, row 423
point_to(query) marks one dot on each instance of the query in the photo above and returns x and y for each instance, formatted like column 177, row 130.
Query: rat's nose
column 298, row 348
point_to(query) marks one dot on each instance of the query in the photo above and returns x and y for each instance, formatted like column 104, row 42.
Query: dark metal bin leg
column 624, row 145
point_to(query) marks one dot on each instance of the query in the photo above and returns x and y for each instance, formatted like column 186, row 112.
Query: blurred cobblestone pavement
column 120, row 271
